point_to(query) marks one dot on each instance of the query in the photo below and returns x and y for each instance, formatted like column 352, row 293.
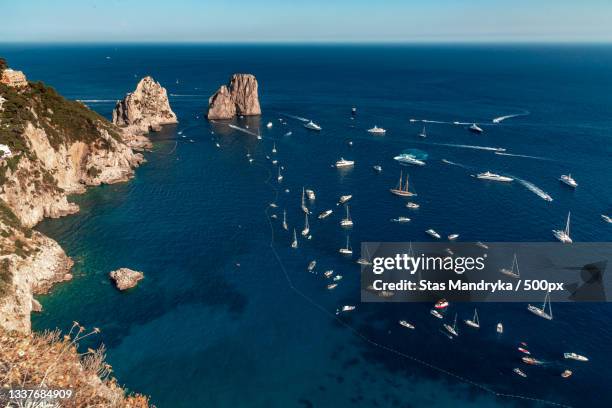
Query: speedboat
column 453, row 237
column 332, row 286
column 328, row 273
column 377, row 131
column 500, row 328
column 344, row 163
column 574, row 356
column 531, row 361
column 406, row 158
column 475, row 128
column 337, row 278
column 312, row 126
column 520, row 372
column 487, row 175
column 377, row 168
column 433, row 233
column 312, row 265
column 435, row 313
column 441, row 304
column 406, row 324
column 412, row 205
column 524, row 350
column 567, row 179
column 310, row 194
column 401, row 219
column 343, row 199
column 325, row 214
column 606, row 218
column 564, row 235
column 566, row 373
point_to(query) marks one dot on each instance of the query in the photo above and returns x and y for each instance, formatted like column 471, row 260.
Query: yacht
column 453, row 237
column 435, row 313
column 423, row 132
column 567, row 179
column 280, row 176
column 452, row 329
column 412, row 205
column 310, row 194
column 405, row 324
column 606, row 218
column 487, row 175
column 520, row 372
column 474, row 322
column 285, row 226
column 269, row 125
column 406, row 158
column 402, row 190
column 343, row 199
column 475, row 128
column 377, row 131
column 332, row 286
column 328, row 273
column 574, row 356
column 347, row 250
column 325, row 214
column 306, row 229
column 344, row 163
column 400, row 219
column 514, row 269
column 312, row 265
column 347, row 308
column 441, row 304
column 433, row 233
column 564, row 236
column 312, row 126
column 500, row 328
column 377, row 168
column 542, row 311
column 294, row 243
column 347, row 222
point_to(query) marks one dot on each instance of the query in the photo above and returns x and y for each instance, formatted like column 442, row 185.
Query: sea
column 229, row 316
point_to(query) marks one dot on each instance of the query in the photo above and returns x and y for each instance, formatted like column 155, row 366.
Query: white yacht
column 453, row 237
column 312, row 265
column 344, row 163
column 306, row 229
column 377, row 131
column 514, row 269
column 405, row 324
column 332, row 286
column 574, row 356
column 347, row 250
column 343, row 199
column 347, row 308
column 280, row 176
column 520, row 372
column 325, row 214
column 412, row 205
column 294, row 243
column 310, row 194
column 474, row 322
column 269, row 125
column 406, row 158
column 567, row 179
column 452, row 329
column 500, row 328
column 606, row 218
column 542, row 311
column 436, row 314
column 564, row 236
column 347, row 222
column 433, row 233
column 402, row 190
column 423, row 132
column 285, row 226
column 400, row 219
column 475, row 128
column 487, row 175
column 312, row 126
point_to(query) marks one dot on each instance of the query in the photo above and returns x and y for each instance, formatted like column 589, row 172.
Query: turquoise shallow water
column 221, row 321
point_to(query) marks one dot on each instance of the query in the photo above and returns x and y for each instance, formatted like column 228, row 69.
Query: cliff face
column 145, row 109
column 240, row 97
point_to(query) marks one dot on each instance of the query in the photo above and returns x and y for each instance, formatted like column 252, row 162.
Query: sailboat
column 400, row 190
column 280, row 176
column 542, row 311
column 274, row 148
column 306, row 229
column 347, row 250
column 294, row 244
column 475, row 322
column 365, row 260
column 423, row 133
column 285, row 226
column 304, row 208
column 452, row 329
column 564, row 236
column 347, row 222
column 514, row 270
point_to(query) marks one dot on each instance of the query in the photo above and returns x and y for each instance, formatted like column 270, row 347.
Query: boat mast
column 476, row 317
column 348, row 217
column 547, row 299
column 399, row 185
column 407, row 176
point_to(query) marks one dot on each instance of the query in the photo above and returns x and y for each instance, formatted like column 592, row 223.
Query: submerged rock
column 125, row 278
column 146, row 108
column 239, row 97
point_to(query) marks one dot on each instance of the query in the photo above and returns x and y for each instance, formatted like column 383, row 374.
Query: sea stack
column 145, row 109
column 125, row 278
column 239, row 97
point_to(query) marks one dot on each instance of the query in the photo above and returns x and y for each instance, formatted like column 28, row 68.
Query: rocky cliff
column 239, row 97
column 145, row 109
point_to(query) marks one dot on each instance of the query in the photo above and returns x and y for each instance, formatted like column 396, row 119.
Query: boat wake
column 491, row 149
column 247, row 131
column 96, row 100
column 535, row 189
column 526, row 156
column 297, row 117
column 502, row 118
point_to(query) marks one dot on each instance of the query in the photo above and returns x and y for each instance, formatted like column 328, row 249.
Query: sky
column 306, row 21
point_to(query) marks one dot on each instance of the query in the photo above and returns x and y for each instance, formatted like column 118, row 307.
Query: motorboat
column 332, row 286
column 412, row 205
column 377, row 131
column 531, row 361
column 475, row 128
column 343, row 199
column 325, row 214
column 337, row 278
column 269, row 125
column 453, row 237
column 433, row 233
column 566, row 373
column 311, row 265
column 377, row 168
column 328, row 273
column 574, row 356
column 441, row 304
column 487, row 175
column 500, row 328
column 524, row 350
column 606, row 218
column 435, row 313
column 405, row 324
column 405, row 158
column 310, row 194
column 520, row 372
column 312, row 126
column 401, row 219
column 344, row 163
column 567, row 179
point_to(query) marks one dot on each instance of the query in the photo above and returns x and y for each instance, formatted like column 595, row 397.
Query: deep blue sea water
column 219, row 321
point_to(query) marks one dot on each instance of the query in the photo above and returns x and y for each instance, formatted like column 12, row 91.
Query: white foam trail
column 238, row 128
column 455, row 164
column 526, row 156
column 298, row 118
column 491, row 149
column 535, row 189
column 96, row 100
column 501, row 118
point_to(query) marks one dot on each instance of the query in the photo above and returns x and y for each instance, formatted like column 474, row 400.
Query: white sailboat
column 423, row 133
column 542, row 311
column 306, row 229
column 400, row 190
column 348, row 250
column 474, row 322
column 365, row 260
column 304, row 208
column 452, row 329
column 280, row 176
column 347, row 222
column 285, row 226
column 514, row 269
column 564, row 236
column 274, row 148
column 294, row 244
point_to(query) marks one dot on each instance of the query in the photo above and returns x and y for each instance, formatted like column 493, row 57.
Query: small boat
column 294, row 243
column 347, row 308
column 520, row 372
column 531, row 361
column 500, row 328
column 306, row 229
column 280, row 176
column 453, row 237
column 400, row 219
column 350, row 143
column 353, row 111
column 567, row 179
column 412, row 205
column 347, row 250
column 433, row 233
column 274, row 162
column 564, row 235
column 343, row 199
column 312, row 265
column 344, row 163
column 310, row 194
column 487, row 175
column 347, row 222
column 273, row 205
column 325, row 214
column 328, row 273
column 312, row 126
column 524, row 350
column 423, row 133
column 377, row 131
column 288, row 133
column 405, row 324
column 409, row 159
column 274, row 216
column 377, row 168
column 402, row 190
column 217, row 144
column 514, row 269
column 251, row 160
column 542, row 311
column 574, row 356
column 435, row 313
column 274, row 148
column 474, row 322
column 606, row 218
column 449, row 251
column 441, row 304
column 452, row 329
column 285, row 226
column 566, row 373
column 365, row 260
column 332, row 286
column 269, row 125
column 482, row 245
column 475, row 128
column 337, row 278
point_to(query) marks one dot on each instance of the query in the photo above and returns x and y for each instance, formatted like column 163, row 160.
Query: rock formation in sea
column 126, row 278
column 146, row 109
column 239, row 97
